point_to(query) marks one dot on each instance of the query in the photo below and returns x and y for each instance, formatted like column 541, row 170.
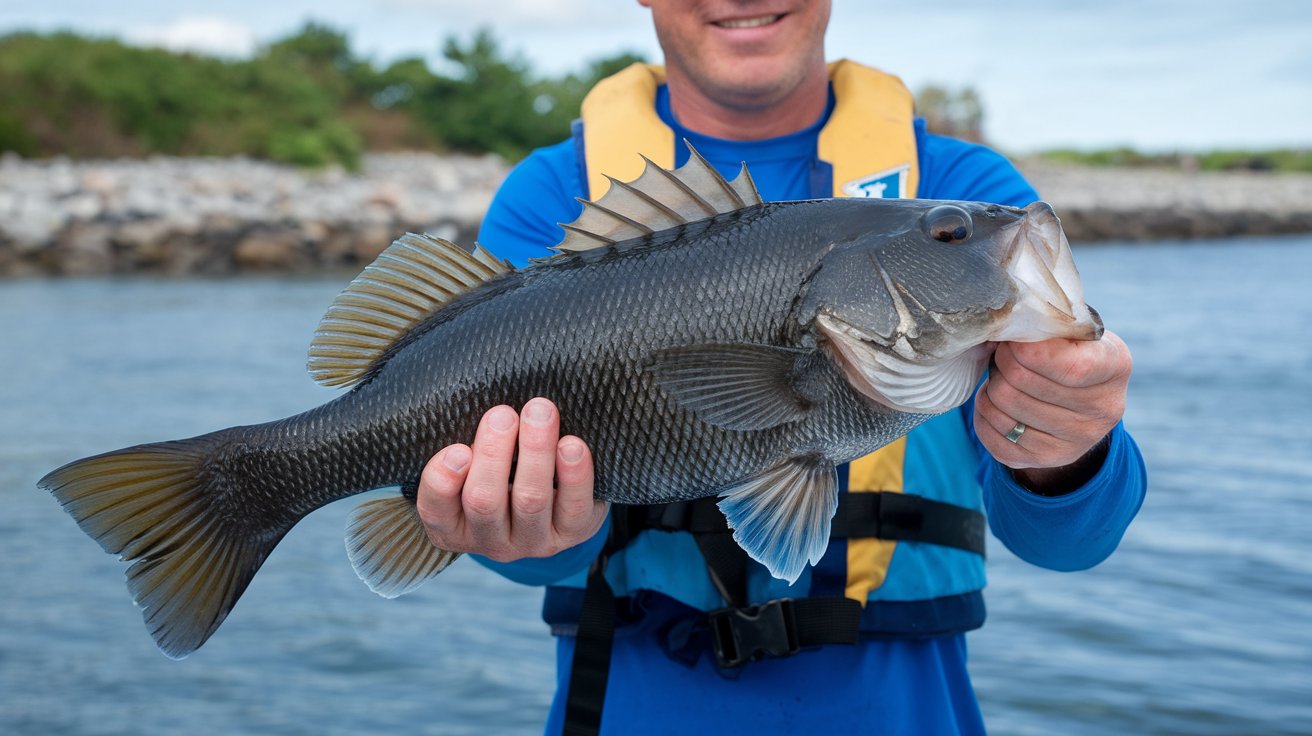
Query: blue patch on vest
column 888, row 184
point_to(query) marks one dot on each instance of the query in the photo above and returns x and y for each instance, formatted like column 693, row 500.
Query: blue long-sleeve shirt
column 884, row 685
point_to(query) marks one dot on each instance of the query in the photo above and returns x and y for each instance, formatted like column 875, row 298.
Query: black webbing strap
column 592, row 648
column 742, row 633
column 779, row 628
column 590, row 670
column 726, row 563
column 900, row 517
column 908, row 518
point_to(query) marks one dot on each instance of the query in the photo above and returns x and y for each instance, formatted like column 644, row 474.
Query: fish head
column 912, row 308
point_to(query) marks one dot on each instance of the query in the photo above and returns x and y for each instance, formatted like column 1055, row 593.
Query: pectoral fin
column 781, row 517
column 736, row 386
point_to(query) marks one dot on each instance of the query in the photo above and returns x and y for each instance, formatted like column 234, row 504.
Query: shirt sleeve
column 521, row 223
column 548, row 570
column 1070, row 532
column 1074, row 531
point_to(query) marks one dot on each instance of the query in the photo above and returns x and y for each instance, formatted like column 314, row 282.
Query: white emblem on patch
column 886, row 184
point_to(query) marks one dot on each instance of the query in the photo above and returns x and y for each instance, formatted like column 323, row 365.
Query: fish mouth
column 1051, row 302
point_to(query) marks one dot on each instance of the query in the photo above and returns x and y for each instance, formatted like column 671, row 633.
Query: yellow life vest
column 869, row 140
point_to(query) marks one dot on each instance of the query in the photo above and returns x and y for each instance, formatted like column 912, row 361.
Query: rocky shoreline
column 221, row 216
column 1102, row 204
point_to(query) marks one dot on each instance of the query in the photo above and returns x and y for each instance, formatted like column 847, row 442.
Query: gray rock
column 217, row 216
column 271, row 250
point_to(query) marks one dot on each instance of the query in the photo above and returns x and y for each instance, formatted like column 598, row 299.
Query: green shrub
column 1279, row 160
column 15, row 137
column 334, row 143
column 305, row 99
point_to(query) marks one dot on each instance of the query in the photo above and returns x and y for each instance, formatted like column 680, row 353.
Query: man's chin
column 754, row 82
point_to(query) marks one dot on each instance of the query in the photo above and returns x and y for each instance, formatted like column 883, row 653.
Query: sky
column 1158, row 75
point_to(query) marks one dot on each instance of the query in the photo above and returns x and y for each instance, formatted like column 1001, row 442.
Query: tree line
column 310, row 100
column 307, row 99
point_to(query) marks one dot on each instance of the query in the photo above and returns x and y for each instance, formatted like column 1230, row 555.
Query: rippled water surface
column 1201, row 623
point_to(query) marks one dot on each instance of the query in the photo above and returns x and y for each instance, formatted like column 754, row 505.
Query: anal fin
column 389, row 549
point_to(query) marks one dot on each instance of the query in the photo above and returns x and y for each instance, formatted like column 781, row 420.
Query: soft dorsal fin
column 414, row 277
column 656, row 200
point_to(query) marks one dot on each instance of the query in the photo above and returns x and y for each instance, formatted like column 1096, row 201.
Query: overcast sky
column 1155, row 74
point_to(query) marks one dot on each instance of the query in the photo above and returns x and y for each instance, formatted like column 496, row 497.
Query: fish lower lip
column 763, row 20
column 1051, row 297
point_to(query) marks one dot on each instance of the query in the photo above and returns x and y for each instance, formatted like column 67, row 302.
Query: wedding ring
column 1014, row 435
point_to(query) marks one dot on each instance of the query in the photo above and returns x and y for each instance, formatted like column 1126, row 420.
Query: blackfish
column 701, row 341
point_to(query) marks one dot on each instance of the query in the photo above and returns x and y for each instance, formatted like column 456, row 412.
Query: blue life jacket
column 905, row 586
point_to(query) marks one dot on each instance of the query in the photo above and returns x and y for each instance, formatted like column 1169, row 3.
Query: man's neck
column 749, row 120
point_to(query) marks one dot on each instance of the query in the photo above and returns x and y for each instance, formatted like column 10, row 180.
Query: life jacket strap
column 590, row 671
column 903, row 517
column 744, row 633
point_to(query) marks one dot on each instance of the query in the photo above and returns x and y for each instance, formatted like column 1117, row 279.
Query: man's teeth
column 764, row 20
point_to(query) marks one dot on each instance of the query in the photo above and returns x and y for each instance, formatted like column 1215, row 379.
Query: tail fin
column 147, row 504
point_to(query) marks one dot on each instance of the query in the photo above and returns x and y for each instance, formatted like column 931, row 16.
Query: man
column 747, row 81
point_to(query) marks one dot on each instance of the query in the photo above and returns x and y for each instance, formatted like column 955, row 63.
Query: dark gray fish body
column 744, row 354
column 580, row 330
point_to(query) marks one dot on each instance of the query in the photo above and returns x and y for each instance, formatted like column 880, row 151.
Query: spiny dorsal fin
column 656, row 200
column 413, row 278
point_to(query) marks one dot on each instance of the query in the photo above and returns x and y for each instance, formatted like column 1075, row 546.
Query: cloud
column 199, row 34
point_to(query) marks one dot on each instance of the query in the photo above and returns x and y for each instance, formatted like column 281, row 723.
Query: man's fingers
column 438, row 501
column 468, row 503
column 577, row 514
column 531, row 494
column 1072, row 363
column 1017, row 404
column 992, row 426
column 486, row 499
column 1029, row 381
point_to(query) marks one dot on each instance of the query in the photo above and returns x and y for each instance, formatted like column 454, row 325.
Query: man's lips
column 757, row 22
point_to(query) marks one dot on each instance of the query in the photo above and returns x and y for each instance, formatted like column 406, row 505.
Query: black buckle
column 744, row 635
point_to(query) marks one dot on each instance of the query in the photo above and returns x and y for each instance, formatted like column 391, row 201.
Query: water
column 1199, row 624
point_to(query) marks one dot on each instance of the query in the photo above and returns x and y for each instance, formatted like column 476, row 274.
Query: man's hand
column 468, row 502
column 1069, row 394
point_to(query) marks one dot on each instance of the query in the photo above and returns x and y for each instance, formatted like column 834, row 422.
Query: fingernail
column 537, row 412
column 501, row 419
column 571, row 451
column 456, row 457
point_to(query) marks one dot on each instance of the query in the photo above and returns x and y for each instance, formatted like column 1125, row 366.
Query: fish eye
column 948, row 223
